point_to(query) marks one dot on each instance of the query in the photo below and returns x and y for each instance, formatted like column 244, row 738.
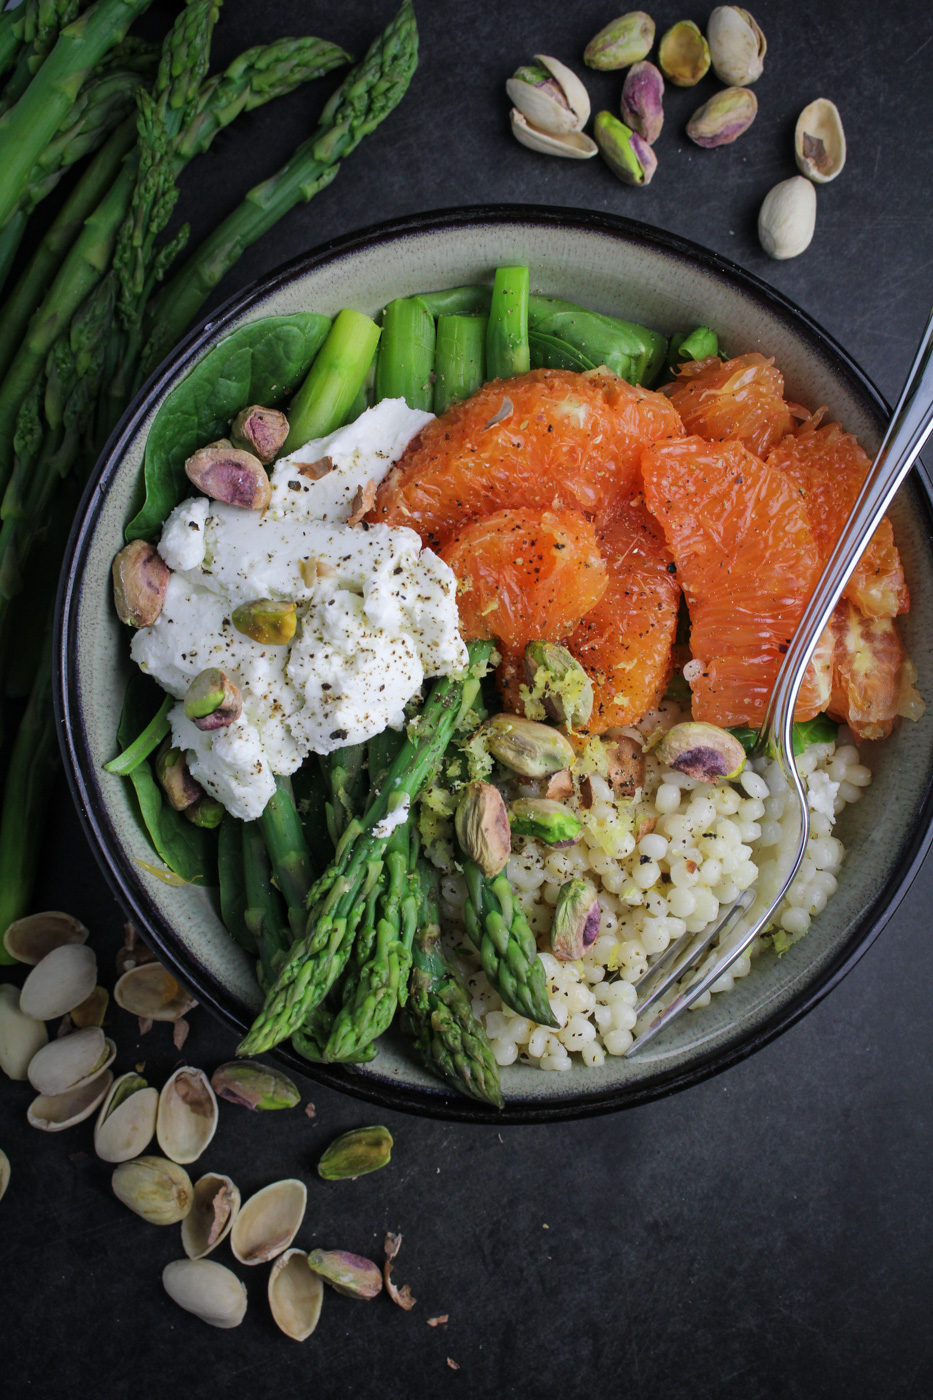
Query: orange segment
column 873, row 677
column 741, row 399
column 747, row 562
column 568, row 441
column 828, row 467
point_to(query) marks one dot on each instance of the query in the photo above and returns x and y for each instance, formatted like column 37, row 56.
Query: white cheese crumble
column 821, row 793
column 376, row 614
column 395, row 818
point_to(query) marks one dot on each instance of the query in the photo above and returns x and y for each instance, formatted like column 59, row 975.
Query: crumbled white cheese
column 821, row 793
column 376, row 614
column 395, row 818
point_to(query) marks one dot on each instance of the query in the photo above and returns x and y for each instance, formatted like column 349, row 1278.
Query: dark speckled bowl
column 613, row 265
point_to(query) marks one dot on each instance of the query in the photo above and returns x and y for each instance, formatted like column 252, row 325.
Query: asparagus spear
column 344, row 773
column 10, row 40
column 367, row 95
column 438, row 1017
column 231, row 880
column 460, row 366
column 506, row 945
column 338, row 899
column 323, row 402
column 406, row 354
column 291, row 861
column 33, row 766
column 263, row 914
column 37, row 25
column 11, row 236
column 507, row 350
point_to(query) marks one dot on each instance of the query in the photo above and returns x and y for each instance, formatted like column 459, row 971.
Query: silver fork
column 741, row 923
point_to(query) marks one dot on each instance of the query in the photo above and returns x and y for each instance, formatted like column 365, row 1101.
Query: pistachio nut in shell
column 481, row 822
column 625, row 40
column 214, row 1207
column 525, row 746
column 149, row 990
column 29, row 939
column 702, row 751
column 550, row 96
column 819, row 141
column 573, row 145
column 627, row 154
column 268, row 1222
column 60, row 982
column 52, row 1113
column 20, row 1035
column 188, row 1115
column 174, row 779
column 158, row 1190
column 4, row 1173
column 126, row 1122
column 92, row 1010
column 254, row 1086
column 576, row 920
column 295, row 1294
column 349, row 1274
column 269, row 621
column 140, row 578
column 683, row 54
column 231, row 476
column 787, row 218
column 737, row 46
column 261, row 431
column 209, row 1290
column 724, row 118
column 643, row 100
column 557, row 684
column 71, row 1061
column 212, row 700
column 545, row 820
column 356, row 1153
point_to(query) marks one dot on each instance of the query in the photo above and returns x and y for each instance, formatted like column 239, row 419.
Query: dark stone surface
column 765, row 1235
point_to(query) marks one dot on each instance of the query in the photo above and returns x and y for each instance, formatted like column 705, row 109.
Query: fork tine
column 686, row 951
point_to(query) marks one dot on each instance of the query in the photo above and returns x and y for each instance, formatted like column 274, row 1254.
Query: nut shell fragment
column 573, row 145
column 214, row 1208
column 296, row 1295
column 92, row 1010
column 819, row 141
column 683, row 54
column 54, row 1112
column 4, row 1173
column 158, row 1190
column 188, row 1115
column 29, row 939
column 140, row 578
column 269, row 1221
column 60, row 982
column 551, row 96
column 149, row 990
column 231, row 476
column 21, row 1036
column 209, row 1290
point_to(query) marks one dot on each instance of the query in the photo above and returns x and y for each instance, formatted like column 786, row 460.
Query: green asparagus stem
column 27, row 128
column 338, row 899
column 460, row 364
column 507, row 349
column 406, row 354
column 506, row 945
column 33, row 766
column 10, row 41
column 344, row 773
column 11, row 236
column 311, row 1040
column 264, row 914
column 142, row 746
column 439, row 1017
column 38, row 24
column 367, row 95
column 340, row 367
column 291, row 861
column 231, row 881
column 458, row 301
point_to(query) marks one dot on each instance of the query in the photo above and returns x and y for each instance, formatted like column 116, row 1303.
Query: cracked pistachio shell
column 724, row 118
column 188, row 1115
column 254, row 1086
column 573, row 145
column 269, row 1221
column 231, row 476
column 214, row 1207
column 149, row 990
column 92, row 1010
column 482, row 826
column 550, row 95
column 819, row 141
column 54, row 1112
column 209, row 1290
column 546, row 820
column 4, row 1173
column 173, row 778
column 559, row 683
column 349, row 1274
column 527, row 747
column 737, row 46
column 71, row 1061
column 28, row 940
column 356, row 1153
column 787, row 218
column 576, row 920
column 212, row 700
column 295, row 1294
column 140, row 578
column 261, row 431
column 683, row 54
column 126, row 1122
column 624, row 41
column 21, row 1036
column 60, row 982
column 158, row 1190
column 626, row 153
column 643, row 101
column 702, row 751
column 268, row 621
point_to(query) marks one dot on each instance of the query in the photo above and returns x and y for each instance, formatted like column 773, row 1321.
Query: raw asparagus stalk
column 340, row 367
column 10, row 41
column 460, row 364
column 338, row 899
column 33, row 766
column 38, row 24
column 291, row 861
column 507, row 350
column 439, row 1017
column 506, row 945
column 11, row 237
column 406, row 354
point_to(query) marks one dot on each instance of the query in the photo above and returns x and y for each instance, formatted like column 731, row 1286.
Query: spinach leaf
column 821, row 730
column 547, row 352
column 263, row 362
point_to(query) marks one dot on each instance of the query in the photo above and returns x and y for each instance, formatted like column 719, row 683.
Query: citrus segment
column 873, row 677
column 741, row 399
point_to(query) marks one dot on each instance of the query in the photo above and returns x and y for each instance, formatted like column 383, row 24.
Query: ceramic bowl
column 613, row 265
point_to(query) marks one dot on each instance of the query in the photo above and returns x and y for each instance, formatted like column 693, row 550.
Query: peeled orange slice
column 740, row 400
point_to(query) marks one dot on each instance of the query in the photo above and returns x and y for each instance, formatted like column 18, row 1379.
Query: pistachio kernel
column 268, row 621
column 261, row 431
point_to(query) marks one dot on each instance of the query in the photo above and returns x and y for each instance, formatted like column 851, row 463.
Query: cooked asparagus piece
column 499, row 931
column 406, row 354
column 507, row 349
column 291, row 861
column 344, row 773
column 323, row 402
column 460, row 363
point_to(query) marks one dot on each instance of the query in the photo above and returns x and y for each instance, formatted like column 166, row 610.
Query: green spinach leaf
column 820, row 730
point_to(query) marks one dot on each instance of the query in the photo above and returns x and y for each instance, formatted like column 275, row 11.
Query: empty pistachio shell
column 624, row 41
column 20, row 1035
column 819, row 141
column 576, row 920
column 212, row 700
column 626, row 153
column 527, row 747
column 643, row 100
column 214, row 1208
column 28, row 940
column 550, row 95
column 71, row 1061
column 295, row 1295
column 702, row 751
column 209, row 1290
column 59, row 982
column 261, row 431
column 349, row 1274
column 736, row 45
column 173, row 777
column 253, row 1085
column 573, row 145
column 188, row 1114
column 269, row 1221
column 54, row 1112
column 787, row 218
column 230, row 475
column 126, row 1122
column 266, row 620
column 151, row 991
column 92, row 1010
column 140, row 578
column 683, row 54
column 546, row 820
column 356, row 1153
column 4, row 1173
column 482, row 825
column 722, row 119
column 559, row 683
column 158, row 1190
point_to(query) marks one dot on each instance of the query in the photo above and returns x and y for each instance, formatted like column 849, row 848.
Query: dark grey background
column 766, row 1234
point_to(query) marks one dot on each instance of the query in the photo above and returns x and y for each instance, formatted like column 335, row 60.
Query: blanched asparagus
column 460, row 361
column 291, row 861
column 323, row 402
column 406, row 354
column 507, row 349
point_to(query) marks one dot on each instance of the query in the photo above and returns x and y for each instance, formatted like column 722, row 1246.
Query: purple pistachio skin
column 724, row 118
column 140, row 578
column 576, row 921
column 349, row 1274
column 645, row 156
column 230, row 475
column 642, row 100
column 261, row 431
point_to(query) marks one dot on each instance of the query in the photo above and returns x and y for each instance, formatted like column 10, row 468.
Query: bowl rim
column 85, row 783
